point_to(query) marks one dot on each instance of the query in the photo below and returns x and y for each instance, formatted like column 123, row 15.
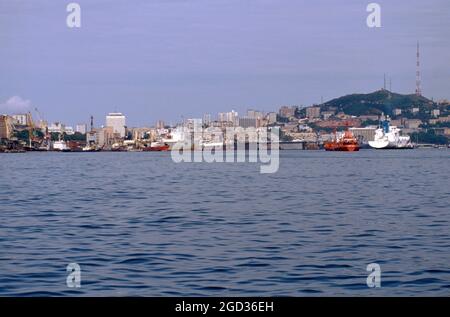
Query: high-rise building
column 313, row 112
column 117, row 121
column 271, row 117
column 287, row 111
column 207, row 119
column 221, row 117
column 231, row 116
column 160, row 124
column 246, row 122
column 105, row 136
column 255, row 114
column 81, row 128
column 56, row 127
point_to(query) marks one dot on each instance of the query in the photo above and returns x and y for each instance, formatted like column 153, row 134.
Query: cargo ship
column 346, row 143
column 389, row 137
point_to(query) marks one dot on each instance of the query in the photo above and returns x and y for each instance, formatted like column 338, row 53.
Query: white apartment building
column 117, row 121
column 81, row 128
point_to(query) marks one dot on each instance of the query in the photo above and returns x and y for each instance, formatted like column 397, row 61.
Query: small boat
column 346, row 143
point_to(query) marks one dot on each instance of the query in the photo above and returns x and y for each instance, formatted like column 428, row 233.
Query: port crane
column 30, row 126
column 46, row 140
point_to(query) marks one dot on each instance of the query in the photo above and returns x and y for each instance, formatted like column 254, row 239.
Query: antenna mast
column 418, row 78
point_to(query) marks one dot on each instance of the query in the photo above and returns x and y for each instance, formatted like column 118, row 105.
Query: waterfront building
column 304, row 136
column 19, row 119
column 117, row 121
column 364, row 135
column 143, row 133
column 56, row 127
column 91, row 137
column 105, row 136
column 69, row 130
column 5, row 127
column 81, row 128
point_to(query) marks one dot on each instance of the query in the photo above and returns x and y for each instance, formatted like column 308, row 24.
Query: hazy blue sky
column 161, row 59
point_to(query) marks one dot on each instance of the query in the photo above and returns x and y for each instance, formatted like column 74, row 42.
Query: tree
column 429, row 137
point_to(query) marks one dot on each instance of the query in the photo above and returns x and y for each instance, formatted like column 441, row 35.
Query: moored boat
column 60, row 146
column 157, row 147
column 389, row 137
column 346, row 143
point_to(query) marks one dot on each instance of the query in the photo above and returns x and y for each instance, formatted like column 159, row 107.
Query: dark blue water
column 139, row 224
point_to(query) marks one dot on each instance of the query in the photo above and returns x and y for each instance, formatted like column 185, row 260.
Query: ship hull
column 386, row 145
column 389, row 138
column 342, row 149
column 161, row 148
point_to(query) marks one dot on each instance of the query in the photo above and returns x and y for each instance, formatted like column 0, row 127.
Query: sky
column 169, row 59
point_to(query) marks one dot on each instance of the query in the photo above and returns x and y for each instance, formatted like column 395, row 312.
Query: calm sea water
column 139, row 224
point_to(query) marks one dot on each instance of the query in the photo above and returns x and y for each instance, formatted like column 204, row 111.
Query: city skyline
column 177, row 59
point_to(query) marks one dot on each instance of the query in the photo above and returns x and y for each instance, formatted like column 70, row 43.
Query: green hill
column 377, row 102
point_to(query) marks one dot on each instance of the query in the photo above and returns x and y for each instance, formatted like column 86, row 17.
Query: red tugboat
column 346, row 143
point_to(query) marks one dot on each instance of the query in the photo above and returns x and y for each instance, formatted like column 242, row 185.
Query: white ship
column 389, row 137
column 60, row 146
